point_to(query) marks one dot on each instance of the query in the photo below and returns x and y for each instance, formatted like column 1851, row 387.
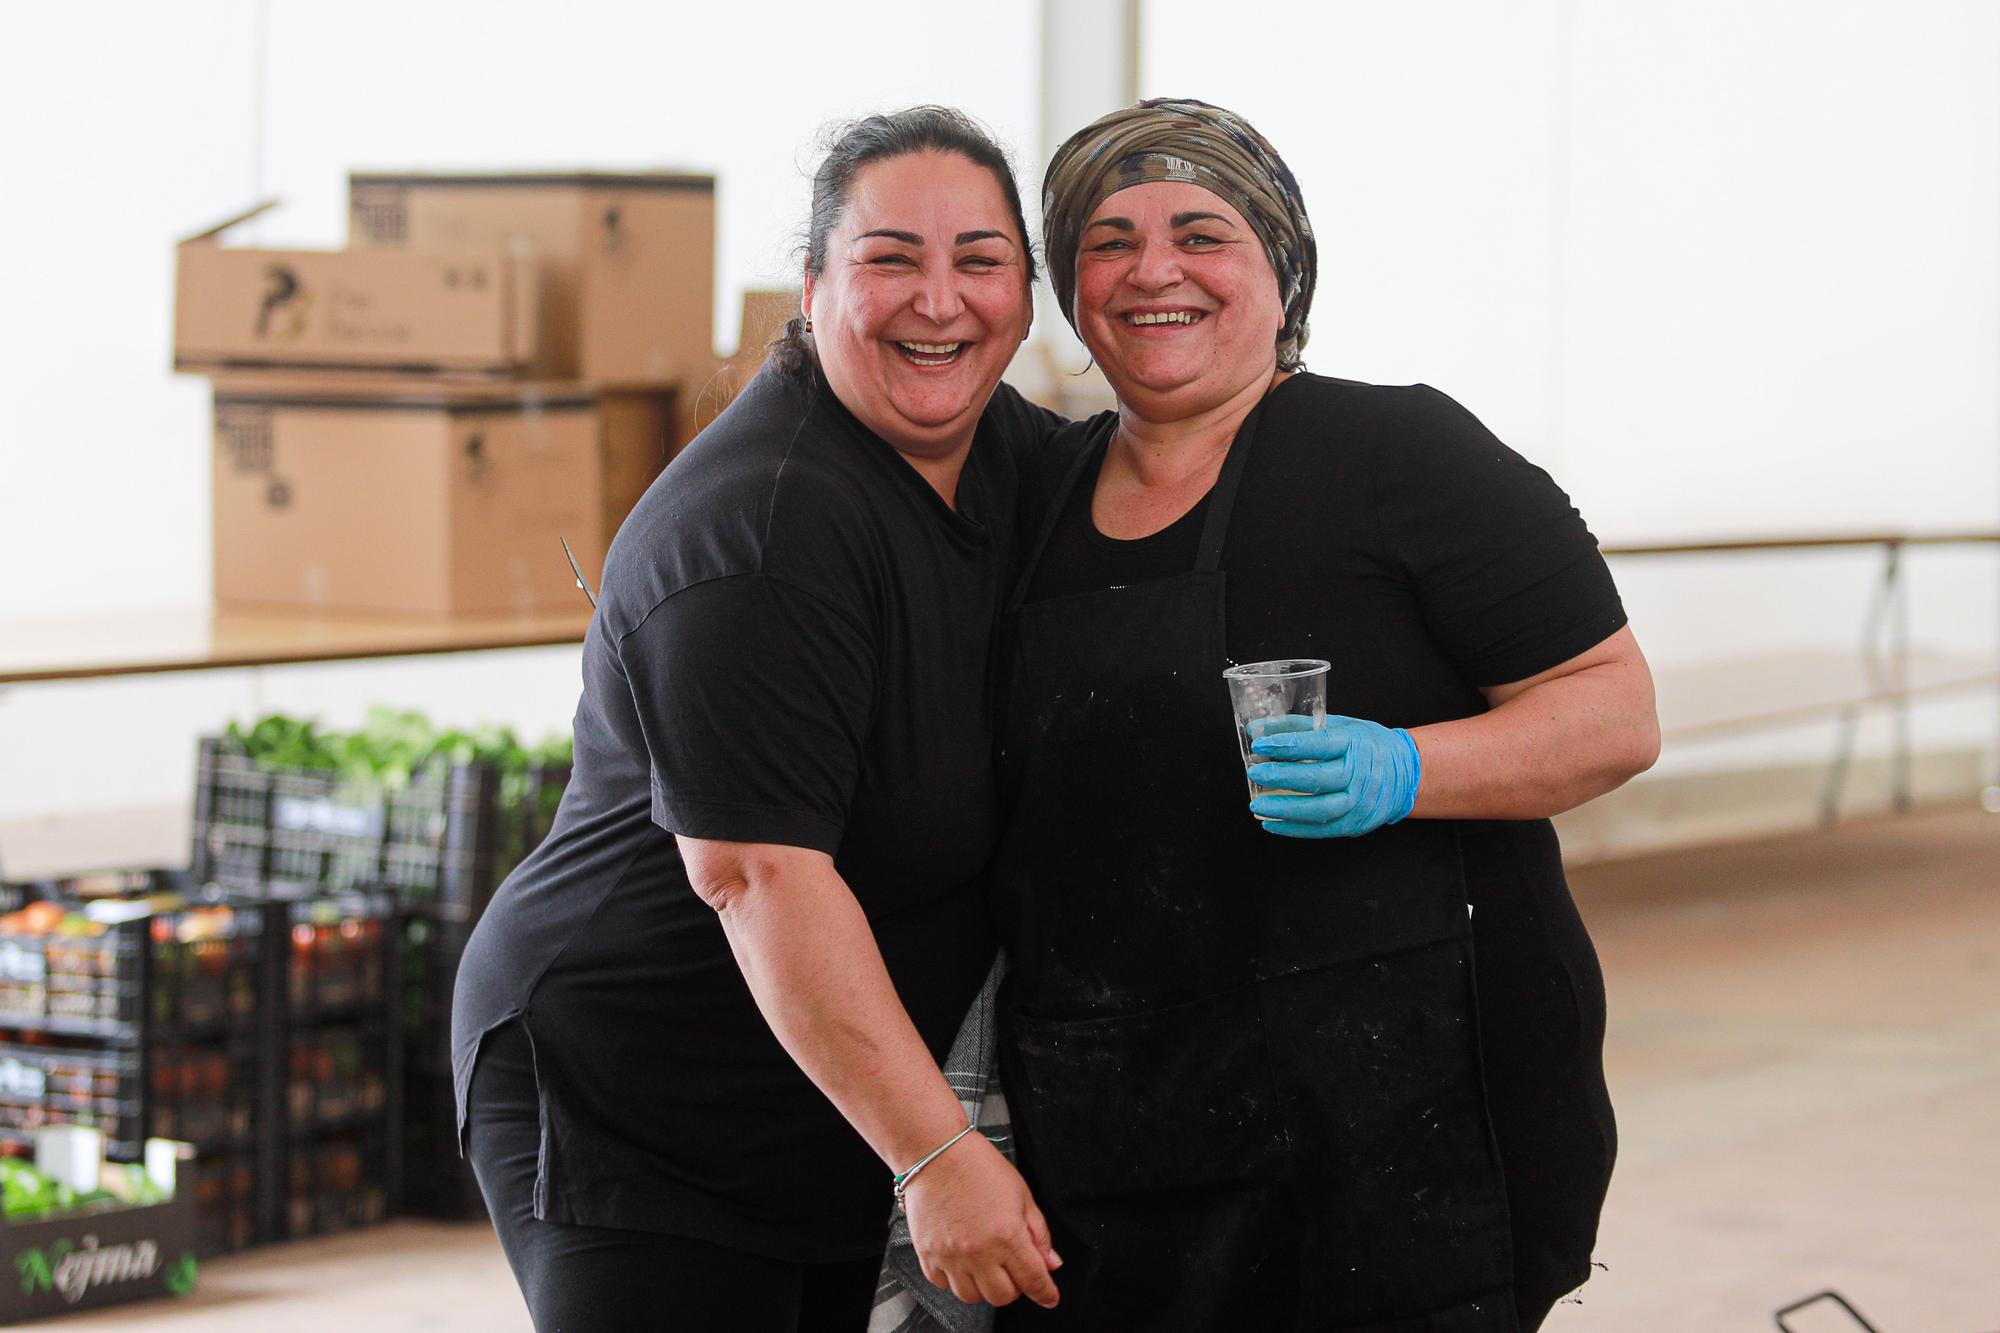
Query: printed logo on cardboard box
column 282, row 315
column 245, row 435
column 381, row 213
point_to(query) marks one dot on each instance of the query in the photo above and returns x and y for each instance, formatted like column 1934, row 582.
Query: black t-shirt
column 1383, row 529
column 1387, row 531
column 792, row 646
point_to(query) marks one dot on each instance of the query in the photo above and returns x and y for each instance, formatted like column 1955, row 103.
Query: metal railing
column 1885, row 656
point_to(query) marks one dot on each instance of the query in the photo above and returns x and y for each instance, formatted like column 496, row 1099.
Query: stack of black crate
column 337, row 1058
column 436, row 1182
column 436, row 847
column 496, row 819
column 148, row 1027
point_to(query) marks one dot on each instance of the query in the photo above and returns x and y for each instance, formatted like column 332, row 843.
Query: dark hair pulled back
column 852, row 145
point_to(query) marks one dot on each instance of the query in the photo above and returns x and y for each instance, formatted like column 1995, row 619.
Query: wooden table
column 77, row 648
column 198, row 639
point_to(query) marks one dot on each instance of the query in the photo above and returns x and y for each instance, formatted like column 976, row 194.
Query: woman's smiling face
column 1176, row 299
column 922, row 299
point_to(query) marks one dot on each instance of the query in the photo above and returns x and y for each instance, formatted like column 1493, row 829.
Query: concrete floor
column 1805, row 1056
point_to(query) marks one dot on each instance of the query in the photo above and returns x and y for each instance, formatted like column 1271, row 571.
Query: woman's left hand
column 1353, row 777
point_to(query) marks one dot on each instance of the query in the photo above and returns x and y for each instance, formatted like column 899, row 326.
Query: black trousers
column 579, row 1279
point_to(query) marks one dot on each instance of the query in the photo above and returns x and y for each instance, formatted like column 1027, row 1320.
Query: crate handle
column 1816, row 1298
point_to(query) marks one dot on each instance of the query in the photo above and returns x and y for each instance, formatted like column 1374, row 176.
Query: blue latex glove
column 1357, row 777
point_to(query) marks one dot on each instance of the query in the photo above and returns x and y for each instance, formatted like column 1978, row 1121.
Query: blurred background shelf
column 1774, row 689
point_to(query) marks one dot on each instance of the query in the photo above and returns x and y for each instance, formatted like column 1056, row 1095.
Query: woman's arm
column 1504, row 574
column 812, row 964
column 1548, row 744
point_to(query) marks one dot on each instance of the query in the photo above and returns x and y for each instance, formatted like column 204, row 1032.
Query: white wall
column 123, row 129
column 1725, row 267
column 1722, row 267
column 111, row 146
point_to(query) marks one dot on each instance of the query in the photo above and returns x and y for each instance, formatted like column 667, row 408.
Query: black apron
column 1244, row 1069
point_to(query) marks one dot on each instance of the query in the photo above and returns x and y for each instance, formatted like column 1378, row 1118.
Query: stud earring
column 809, row 326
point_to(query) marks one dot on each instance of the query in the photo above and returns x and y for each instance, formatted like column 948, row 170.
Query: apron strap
column 1222, row 496
column 1214, row 528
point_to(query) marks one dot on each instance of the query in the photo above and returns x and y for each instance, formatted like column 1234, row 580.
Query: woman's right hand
column 977, row 1230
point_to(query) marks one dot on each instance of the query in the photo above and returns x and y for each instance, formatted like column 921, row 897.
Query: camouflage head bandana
column 1180, row 139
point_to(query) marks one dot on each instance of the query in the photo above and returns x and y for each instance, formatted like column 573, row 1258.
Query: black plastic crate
column 209, row 1094
column 337, row 1038
column 94, row 979
column 431, row 951
column 436, row 1183
column 337, row 1078
column 225, row 1188
column 334, row 1059
column 267, row 1032
column 336, row 960
column 206, row 980
column 176, row 1007
column 74, row 1085
column 335, row 1184
column 441, row 843
column 76, row 983
column 24, row 977
column 193, row 971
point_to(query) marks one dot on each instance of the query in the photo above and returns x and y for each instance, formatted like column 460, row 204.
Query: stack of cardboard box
column 497, row 364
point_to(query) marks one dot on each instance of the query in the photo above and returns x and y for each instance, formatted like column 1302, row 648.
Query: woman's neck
column 1155, row 471
column 939, row 462
column 1171, row 454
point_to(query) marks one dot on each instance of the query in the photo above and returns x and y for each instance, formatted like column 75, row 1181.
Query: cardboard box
column 765, row 313
column 470, row 308
column 628, row 260
column 424, row 497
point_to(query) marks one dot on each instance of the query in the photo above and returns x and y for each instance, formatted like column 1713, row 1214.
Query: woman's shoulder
column 779, row 436
column 1396, row 405
column 1072, row 439
column 713, row 512
column 1022, row 422
column 1397, row 426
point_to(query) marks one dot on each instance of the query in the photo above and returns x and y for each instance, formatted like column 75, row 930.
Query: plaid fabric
column 905, row 1300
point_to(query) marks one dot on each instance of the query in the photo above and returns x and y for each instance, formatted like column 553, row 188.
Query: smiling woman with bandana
column 1255, row 1080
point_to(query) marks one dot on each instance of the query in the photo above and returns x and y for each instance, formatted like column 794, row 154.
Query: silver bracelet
column 903, row 1181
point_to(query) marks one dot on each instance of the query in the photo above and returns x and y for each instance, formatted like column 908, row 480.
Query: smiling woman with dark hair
column 699, row 1028
column 1257, row 1081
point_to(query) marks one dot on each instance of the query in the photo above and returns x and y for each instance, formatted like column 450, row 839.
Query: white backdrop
column 122, row 128
column 1721, row 267
column 1724, row 267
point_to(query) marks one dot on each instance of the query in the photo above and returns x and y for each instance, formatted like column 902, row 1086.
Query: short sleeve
column 1509, row 578
column 754, row 698
column 1022, row 425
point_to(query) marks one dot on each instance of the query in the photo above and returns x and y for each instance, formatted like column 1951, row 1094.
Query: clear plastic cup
column 1273, row 697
